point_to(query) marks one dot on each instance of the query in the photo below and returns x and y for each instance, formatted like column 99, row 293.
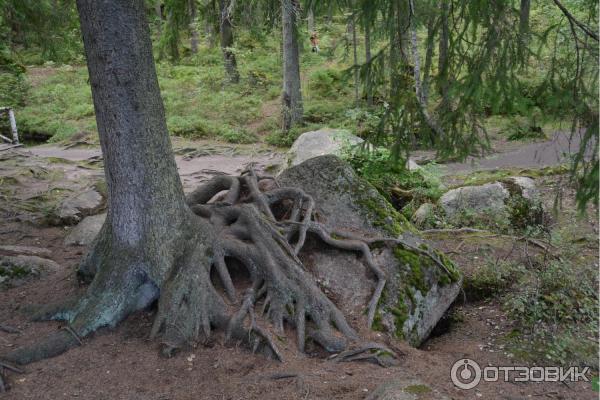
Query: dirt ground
column 122, row 363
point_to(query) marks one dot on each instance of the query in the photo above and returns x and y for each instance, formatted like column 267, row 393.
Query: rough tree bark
column 157, row 244
column 292, row 108
column 226, row 28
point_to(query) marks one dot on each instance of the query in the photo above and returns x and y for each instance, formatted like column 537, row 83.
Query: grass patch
column 552, row 303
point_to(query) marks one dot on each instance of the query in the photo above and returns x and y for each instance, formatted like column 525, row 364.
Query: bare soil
column 123, row 364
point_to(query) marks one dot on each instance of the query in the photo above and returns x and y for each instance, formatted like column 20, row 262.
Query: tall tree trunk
column 311, row 20
column 431, row 31
column 148, row 218
column 433, row 125
column 416, row 60
column 193, row 27
column 330, row 13
column 211, row 23
column 524, row 26
column 292, row 96
column 226, row 7
column 443, row 84
column 368, row 57
column 159, row 15
column 355, row 54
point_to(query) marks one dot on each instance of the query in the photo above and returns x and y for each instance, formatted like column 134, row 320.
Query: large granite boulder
column 318, row 143
column 513, row 200
column 484, row 198
column 422, row 283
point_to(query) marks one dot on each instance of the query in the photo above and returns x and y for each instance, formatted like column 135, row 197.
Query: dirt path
column 196, row 161
column 548, row 153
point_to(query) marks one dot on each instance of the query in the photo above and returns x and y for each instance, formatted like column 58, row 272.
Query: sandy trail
column 548, row 153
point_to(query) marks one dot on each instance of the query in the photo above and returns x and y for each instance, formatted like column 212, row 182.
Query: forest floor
column 122, row 363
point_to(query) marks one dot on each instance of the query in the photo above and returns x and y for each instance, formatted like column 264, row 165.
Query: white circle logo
column 465, row 374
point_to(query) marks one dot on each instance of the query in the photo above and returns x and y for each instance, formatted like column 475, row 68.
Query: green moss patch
column 417, row 389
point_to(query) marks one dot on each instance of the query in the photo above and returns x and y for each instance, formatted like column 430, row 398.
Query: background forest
column 405, row 75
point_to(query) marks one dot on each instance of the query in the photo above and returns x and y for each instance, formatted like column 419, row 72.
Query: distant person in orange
column 314, row 42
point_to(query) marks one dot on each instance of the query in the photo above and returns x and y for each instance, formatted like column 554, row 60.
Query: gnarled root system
column 232, row 229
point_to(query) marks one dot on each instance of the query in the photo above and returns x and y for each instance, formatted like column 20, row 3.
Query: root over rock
column 232, row 265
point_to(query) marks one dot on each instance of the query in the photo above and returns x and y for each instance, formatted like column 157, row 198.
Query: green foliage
column 526, row 215
column 551, row 302
column 13, row 87
column 398, row 184
column 492, row 279
column 43, row 30
column 491, row 220
column 556, row 314
column 327, row 83
column 524, row 131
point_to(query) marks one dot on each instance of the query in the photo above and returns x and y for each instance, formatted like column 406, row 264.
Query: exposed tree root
column 8, row 329
column 4, row 365
column 375, row 353
column 235, row 230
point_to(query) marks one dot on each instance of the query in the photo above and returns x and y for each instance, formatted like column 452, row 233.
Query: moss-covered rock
column 421, row 282
column 512, row 202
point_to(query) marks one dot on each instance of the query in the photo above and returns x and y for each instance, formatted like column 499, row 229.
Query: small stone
column 86, row 231
column 74, row 208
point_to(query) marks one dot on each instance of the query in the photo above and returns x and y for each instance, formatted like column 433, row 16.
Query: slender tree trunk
column 330, row 13
column 524, row 25
column 311, row 20
column 431, row 31
column 193, row 27
column 226, row 7
column 394, row 52
column 443, row 84
column 173, row 43
column 159, row 15
column 212, row 23
column 355, row 54
column 209, row 31
column 368, row 83
column 416, row 61
column 433, row 125
column 292, row 96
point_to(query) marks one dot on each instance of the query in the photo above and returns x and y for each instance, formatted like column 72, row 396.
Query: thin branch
column 580, row 24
